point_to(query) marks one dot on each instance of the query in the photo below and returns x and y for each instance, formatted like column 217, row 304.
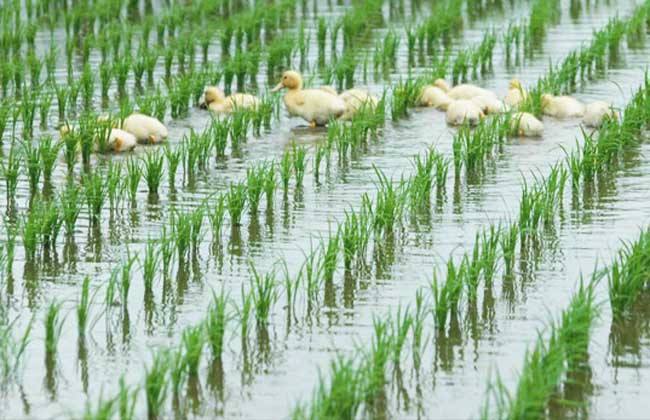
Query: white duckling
column 463, row 111
column 146, row 129
column 356, row 99
column 525, row 124
column 316, row 106
column 596, row 112
column 433, row 96
column 516, row 93
column 562, row 106
column 216, row 101
column 490, row 104
column 462, row 91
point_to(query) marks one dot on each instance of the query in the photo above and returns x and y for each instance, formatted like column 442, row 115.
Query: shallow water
column 282, row 364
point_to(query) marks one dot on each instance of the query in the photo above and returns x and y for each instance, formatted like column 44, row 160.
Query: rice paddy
column 386, row 266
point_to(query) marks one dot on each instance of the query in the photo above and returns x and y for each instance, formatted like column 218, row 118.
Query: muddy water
column 282, row 367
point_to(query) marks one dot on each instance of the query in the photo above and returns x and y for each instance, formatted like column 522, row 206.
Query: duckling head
column 441, row 84
column 290, row 80
column 546, row 100
column 212, row 94
column 515, row 84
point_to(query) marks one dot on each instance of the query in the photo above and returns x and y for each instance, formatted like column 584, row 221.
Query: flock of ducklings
column 463, row 104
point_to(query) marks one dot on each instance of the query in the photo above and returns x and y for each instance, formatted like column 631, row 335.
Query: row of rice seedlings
column 478, row 59
column 626, row 277
column 549, row 363
column 472, row 148
column 586, row 63
column 12, row 350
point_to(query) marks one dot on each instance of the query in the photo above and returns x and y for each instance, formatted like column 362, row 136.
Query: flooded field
column 248, row 265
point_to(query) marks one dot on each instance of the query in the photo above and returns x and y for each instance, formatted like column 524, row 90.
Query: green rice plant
column 173, row 157
column 5, row 114
column 321, row 152
column 150, row 266
column 216, row 323
column 12, row 351
column 181, row 228
column 125, row 278
column 114, row 184
column 405, row 95
column 87, row 82
column 95, row 193
column 51, row 223
column 133, row 176
column 70, row 207
column 377, row 360
column 355, row 235
column 216, row 217
column 83, row 307
column 121, row 72
column 166, row 247
column 446, row 296
column 270, row 184
column 220, row 128
column 264, row 294
column 127, row 400
column 401, row 327
column 626, row 276
column 329, row 255
column 104, row 410
column 285, row 171
column 244, row 312
column 299, row 163
column 31, row 229
column 193, row 341
column 390, row 203
column 62, row 94
column 508, row 242
column 44, row 106
column 155, row 384
column 105, row 78
column 196, row 221
column 153, row 170
column 177, row 374
column 53, row 325
column 10, row 168
column 417, row 327
column 48, row 150
column 32, row 162
column 239, row 124
column 421, row 183
column 255, row 178
column 236, row 202
column 341, row 397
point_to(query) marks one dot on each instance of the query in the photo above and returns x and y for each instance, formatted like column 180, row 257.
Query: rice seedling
column 285, row 171
column 95, row 193
column 446, row 296
column 70, row 208
column 244, row 313
column 83, row 307
column 155, row 384
column 53, row 325
column 125, row 278
column 216, row 323
column 181, row 227
column 389, row 205
column 127, row 400
column 236, row 199
column 48, row 150
column 44, row 104
column 50, row 224
column 150, row 267
column 264, row 294
column 299, row 163
column 153, row 170
column 10, row 168
column 32, row 162
column 402, row 326
column 133, row 176
column 31, row 229
column 270, row 184
column 626, row 277
column 104, row 410
column 255, row 178
column 12, row 351
column 405, row 95
column 329, row 255
column 196, row 222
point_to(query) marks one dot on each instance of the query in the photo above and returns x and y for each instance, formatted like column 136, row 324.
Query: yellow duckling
column 490, row 104
column 562, row 106
column 216, row 101
column 433, row 96
column 463, row 111
column 316, row 106
column 526, row 125
column 462, row 91
column 516, row 93
column 597, row 112
column 146, row 129
column 356, row 99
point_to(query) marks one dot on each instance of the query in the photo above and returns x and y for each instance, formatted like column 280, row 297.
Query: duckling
column 329, row 89
column 526, row 125
column 146, row 129
column 463, row 111
column 562, row 106
column 314, row 105
column 118, row 140
column 216, row 101
column 597, row 112
column 516, row 93
column 463, row 91
column 490, row 104
column 433, row 96
column 356, row 99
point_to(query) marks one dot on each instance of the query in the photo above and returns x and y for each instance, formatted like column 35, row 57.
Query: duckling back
column 526, row 125
column 354, row 100
column 146, row 129
column 563, row 107
column 314, row 105
column 489, row 104
column 596, row 112
column 433, row 96
column 463, row 111
column 467, row 91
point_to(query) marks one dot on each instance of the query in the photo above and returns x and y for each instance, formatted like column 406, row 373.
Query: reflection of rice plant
column 155, row 384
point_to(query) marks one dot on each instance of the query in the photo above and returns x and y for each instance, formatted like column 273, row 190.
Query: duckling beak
column 203, row 105
column 277, row 87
